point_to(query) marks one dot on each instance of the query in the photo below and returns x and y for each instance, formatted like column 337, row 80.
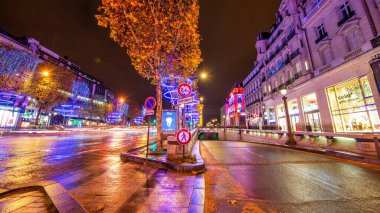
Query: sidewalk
column 360, row 158
column 38, row 196
column 26, row 200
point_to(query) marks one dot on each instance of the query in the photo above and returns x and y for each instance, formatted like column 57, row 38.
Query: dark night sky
column 68, row 27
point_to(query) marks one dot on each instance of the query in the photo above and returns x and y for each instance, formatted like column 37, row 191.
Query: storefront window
column 352, row 106
column 294, row 115
column 8, row 118
column 311, row 111
column 281, row 120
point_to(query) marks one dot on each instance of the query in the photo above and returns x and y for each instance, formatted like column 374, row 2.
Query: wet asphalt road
column 89, row 167
column 24, row 159
column 246, row 177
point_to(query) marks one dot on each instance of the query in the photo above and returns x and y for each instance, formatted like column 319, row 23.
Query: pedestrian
column 308, row 127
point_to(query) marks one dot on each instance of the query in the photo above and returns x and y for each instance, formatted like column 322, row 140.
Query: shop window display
column 293, row 114
column 352, row 106
column 311, row 111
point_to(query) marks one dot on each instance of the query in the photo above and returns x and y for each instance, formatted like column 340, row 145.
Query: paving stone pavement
column 26, row 200
column 128, row 187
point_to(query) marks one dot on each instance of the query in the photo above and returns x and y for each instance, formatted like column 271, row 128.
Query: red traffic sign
column 184, row 90
column 183, row 136
column 150, row 103
column 149, row 112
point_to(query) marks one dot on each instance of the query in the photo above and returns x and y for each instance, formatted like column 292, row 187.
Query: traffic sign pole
column 150, row 104
column 147, row 141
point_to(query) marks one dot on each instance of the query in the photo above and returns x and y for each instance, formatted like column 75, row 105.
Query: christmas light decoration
column 16, row 63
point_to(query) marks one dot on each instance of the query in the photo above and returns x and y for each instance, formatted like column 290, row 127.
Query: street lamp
column 201, row 99
column 203, row 75
column 224, row 118
column 45, row 73
column 238, row 111
column 291, row 140
column 262, row 115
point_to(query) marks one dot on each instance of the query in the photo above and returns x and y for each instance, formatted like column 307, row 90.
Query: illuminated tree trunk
column 38, row 115
column 159, row 113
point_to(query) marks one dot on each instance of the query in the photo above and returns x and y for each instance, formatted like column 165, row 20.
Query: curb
column 337, row 154
column 60, row 198
column 198, row 167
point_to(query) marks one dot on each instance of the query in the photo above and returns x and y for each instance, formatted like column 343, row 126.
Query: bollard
column 377, row 147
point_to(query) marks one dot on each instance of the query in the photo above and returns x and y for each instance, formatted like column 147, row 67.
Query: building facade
column 235, row 107
column 87, row 94
column 331, row 77
column 283, row 60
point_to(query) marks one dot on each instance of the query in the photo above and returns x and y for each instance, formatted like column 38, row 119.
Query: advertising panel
column 169, row 120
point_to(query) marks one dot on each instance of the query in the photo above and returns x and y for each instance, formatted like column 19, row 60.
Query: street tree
column 16, row 67
column 161, row 38
column 49, row 85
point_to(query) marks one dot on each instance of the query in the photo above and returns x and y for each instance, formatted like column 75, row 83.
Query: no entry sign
column 184, row 90
column 150, row 103
column 183, row 136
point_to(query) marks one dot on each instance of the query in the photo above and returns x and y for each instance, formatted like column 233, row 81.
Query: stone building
column 86, row 90
column 330, row 83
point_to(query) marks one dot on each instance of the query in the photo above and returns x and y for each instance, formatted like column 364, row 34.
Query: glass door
column 314, row 120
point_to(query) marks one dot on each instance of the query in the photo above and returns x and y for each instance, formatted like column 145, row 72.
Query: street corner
column 44, row 195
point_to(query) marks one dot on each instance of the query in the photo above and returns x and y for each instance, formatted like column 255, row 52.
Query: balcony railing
column 288, row 38
column 346, row 18
column 283, row 63
column 294, row 54
column 311, row 13
column 321, row 37
column 376, row 41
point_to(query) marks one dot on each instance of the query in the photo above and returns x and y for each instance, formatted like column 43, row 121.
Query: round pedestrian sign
column 183, row 136
column 184, row 90
column 150, row 103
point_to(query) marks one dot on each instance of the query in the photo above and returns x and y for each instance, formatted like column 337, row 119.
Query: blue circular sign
column 150, row 103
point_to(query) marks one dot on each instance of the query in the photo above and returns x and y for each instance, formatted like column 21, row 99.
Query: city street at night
column 246, row 177
column 89, row 167
column 196, row 106
column 24, row 158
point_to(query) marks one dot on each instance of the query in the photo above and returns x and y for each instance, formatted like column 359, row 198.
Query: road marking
column 261, row 156
column 318, row 181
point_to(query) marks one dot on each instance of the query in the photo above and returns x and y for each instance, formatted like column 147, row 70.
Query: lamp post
column 240, row 137
column 291, row 140
column 224, row 118
column 262, row 115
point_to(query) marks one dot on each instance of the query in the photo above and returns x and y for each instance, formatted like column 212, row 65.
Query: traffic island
column 40, row 196
column 195, row 164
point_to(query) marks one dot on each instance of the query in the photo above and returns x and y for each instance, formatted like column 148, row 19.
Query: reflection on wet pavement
column 26, row 200
column 267, row 179
column 89, row 167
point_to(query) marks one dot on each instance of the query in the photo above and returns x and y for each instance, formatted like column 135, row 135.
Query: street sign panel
column 184, row 90
column 150, row 103
column 149, row 112
column 183, row 136
column 185, row 100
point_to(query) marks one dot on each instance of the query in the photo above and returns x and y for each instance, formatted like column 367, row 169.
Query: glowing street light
column 45, row 73
column 203, row 75
column 121, row 100
column 201, row 99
